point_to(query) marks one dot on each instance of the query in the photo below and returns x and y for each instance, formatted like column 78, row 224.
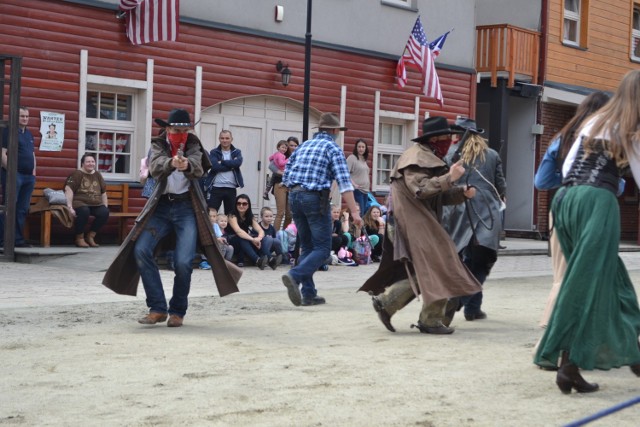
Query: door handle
column 259, row 165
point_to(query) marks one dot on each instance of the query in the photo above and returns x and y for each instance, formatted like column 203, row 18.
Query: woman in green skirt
column 595, row 322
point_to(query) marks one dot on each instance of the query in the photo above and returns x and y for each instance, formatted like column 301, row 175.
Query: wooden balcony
column 507, row 50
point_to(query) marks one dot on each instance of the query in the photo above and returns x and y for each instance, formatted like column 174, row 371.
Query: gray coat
column 484, row 208
column 122, row 275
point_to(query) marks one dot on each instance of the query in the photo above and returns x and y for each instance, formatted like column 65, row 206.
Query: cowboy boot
column 569, row 377
column 90, row 239
column 80, row 241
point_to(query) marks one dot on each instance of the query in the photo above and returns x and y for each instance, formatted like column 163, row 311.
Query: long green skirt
column 596, row 317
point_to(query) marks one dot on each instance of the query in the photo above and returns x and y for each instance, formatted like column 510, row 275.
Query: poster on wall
column 52, row 131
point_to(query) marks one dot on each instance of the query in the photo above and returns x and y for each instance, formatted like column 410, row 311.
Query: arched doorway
column 257, row 124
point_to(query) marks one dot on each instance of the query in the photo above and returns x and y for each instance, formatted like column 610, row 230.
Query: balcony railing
column 507, row 49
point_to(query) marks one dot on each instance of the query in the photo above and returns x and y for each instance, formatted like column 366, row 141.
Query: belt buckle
column 171, row 197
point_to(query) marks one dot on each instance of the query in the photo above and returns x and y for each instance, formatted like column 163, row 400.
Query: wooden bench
column 117, row 194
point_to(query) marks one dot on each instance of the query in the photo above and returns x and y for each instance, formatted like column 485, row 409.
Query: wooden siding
column 49, row 35
column 606, row 57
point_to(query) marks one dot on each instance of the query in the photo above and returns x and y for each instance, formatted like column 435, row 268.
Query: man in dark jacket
column 25, row 178
column 225, row 176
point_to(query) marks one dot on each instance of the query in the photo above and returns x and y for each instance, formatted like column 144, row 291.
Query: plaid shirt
column 316, row 163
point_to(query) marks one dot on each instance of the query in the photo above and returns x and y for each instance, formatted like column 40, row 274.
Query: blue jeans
column 361, row 199
column 24, row 188
column 244, row 248
column 313, row 220
column 169, row 216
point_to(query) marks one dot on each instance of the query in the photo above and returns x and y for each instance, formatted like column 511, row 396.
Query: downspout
column 542, row 68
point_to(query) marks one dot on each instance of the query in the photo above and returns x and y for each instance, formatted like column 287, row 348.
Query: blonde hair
column 474, row 149
column 618, row 121
column 223, row 216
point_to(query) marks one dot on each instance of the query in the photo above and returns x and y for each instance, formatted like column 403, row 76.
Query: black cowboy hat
column 435, row 126
column 465, row 123
column 177, row 118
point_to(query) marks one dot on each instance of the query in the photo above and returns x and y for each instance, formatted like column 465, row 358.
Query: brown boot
column 90, row 236
column 80, row 241
column 569, row 377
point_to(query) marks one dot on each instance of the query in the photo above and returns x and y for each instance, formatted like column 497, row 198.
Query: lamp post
column 307, row 74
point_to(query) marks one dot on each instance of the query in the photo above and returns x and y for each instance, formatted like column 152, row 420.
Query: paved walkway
column 68, row 275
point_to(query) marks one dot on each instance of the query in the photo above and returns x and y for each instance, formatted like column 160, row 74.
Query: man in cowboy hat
column 419, row 256
column 177, row 206
column 308, row 174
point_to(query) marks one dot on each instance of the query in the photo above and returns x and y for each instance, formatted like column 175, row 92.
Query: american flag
column 418, row 54
column 413, row 54
column 149, row 21
column 431, row 80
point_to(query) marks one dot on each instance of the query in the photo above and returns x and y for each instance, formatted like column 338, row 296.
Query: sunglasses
column 242, row 204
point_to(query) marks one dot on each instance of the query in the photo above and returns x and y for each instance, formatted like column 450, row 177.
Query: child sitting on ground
column 266, row 222
column 220, row 223
column 279, row 160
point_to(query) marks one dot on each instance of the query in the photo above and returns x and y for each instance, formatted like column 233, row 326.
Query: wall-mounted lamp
column 283, row 69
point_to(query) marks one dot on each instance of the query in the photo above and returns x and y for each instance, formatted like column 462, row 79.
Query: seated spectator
column 248, row 239
column 338, row 238
column 86, row 194
column 288, row 238
column 348, row 227
column 374, row 226
column 220, row 223
column 266, row 223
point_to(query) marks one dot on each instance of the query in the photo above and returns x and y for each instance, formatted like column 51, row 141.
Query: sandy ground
column 253, row 359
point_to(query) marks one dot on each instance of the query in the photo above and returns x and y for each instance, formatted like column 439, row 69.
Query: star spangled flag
column 149, row 21
column 431, row 82
column 436, row 45
column 418, row 54
column 413, row 54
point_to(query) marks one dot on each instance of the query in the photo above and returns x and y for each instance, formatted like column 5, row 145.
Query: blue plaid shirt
column 316, row 163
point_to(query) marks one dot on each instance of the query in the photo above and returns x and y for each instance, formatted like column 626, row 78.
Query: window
column 635, row 33
column 572, row 22
column 405, row 4
column 390, row 146
column 110, row 130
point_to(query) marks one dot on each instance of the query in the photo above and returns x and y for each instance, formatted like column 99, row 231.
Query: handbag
column 362, row 249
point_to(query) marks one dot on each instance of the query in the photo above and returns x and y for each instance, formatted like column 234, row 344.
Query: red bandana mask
column 440, row 148
column 177, row 141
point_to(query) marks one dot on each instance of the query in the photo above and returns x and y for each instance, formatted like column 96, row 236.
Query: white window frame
column 572, row 16
column 139, row 126
column 409, row 123
column 635, row 31
column 126, row 127
column 405, row 4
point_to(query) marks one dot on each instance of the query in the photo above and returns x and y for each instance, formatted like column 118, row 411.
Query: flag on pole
column 418, row 54
column 438, row 43
column 413, row 54
column 150, row 21
column 431, row 82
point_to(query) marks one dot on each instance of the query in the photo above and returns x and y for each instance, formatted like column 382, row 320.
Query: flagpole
column 307, row 74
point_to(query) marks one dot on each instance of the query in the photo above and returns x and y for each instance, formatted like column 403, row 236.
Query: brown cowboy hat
column 330, row 121
column 435, row 126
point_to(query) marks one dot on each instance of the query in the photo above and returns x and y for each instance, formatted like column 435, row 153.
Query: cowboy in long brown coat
column 419, row 256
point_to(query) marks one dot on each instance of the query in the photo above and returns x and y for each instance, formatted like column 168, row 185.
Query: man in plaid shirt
column 309, row 174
